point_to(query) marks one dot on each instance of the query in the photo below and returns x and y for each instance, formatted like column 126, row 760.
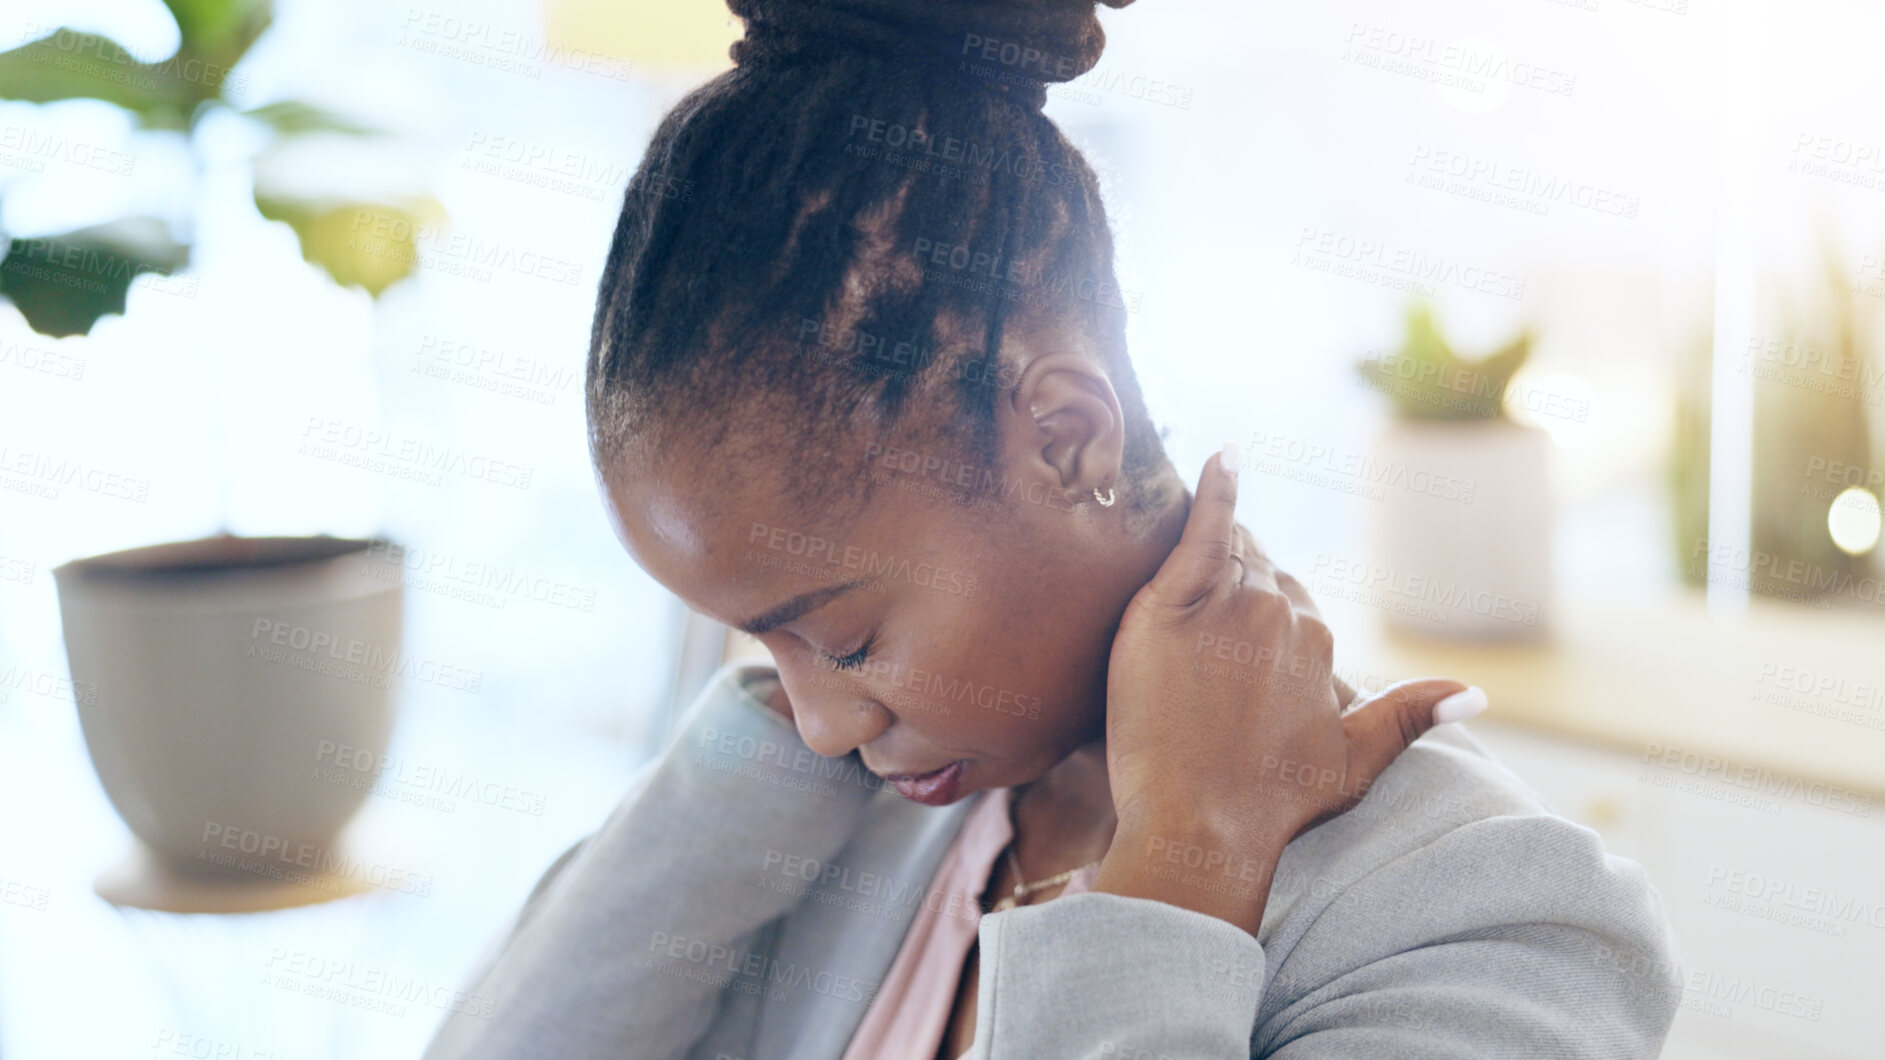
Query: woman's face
column 957, row 629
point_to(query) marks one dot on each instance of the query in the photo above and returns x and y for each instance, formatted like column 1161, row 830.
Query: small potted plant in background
column 1462, row 528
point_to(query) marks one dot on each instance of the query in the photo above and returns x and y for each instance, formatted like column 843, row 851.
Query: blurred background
column 1550, row 330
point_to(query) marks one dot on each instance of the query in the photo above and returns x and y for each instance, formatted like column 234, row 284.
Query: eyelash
column 853, row 660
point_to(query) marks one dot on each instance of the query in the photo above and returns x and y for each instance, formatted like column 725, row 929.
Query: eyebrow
column 797, row 607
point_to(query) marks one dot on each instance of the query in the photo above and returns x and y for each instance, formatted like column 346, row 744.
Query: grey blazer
column 747, row 896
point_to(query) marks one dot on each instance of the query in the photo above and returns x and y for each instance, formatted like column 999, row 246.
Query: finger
column 1383, row 726
column 1245, row 549
column 1258, row 572
column 1300, row 601
column 1249, row 541
column 1202, row 558
column 1299, row 597
column 1344, row 695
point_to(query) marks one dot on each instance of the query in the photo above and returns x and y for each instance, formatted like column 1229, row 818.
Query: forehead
column 703, row 522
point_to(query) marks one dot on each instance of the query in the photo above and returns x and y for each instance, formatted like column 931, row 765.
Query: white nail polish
column 1459, row 706
column 1229, row 457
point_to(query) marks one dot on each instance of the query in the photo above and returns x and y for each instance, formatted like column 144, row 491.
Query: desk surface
column 1793, row 690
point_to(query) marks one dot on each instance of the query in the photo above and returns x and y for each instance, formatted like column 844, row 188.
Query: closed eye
column 853, row 660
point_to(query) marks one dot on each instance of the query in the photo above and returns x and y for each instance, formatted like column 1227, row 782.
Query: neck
column 1072, row 803
column 1069, row 810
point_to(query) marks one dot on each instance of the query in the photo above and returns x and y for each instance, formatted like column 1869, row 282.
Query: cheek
column 965, row 674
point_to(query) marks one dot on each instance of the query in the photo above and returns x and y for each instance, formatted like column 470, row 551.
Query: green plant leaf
column 362, row 244
column 294, row 117
column 220, row 31
column 1499, row 367
column 1427, row 380
column 63, row 283
column 67, row 64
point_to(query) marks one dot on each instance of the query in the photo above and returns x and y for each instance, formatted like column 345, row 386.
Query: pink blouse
column 906, row 1019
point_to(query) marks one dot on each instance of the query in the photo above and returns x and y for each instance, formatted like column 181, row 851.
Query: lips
column 934, row 788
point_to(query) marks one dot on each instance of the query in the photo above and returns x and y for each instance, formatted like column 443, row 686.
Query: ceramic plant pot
column 1462, row 542
column 221, row 674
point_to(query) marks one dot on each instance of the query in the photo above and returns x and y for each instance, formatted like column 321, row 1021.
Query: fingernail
column 1459, row 706
column 1227, row 459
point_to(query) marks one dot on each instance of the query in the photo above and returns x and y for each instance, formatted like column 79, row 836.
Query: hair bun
column 1038, row 40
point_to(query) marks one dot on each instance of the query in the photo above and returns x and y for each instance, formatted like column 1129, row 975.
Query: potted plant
column 1461, row 539
column 205, row 727
column 1815, row 460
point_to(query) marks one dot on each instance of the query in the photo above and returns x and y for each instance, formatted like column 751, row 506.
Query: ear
column 1062, row 423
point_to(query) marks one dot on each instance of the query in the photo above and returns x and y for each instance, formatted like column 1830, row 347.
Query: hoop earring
column 1107, row 500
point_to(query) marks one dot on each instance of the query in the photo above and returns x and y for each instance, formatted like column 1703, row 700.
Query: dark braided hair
column 842, row 228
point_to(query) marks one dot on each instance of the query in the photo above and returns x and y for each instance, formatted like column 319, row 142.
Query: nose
column 834, row 715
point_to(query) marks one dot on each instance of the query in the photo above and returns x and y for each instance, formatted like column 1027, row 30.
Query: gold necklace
column 1022, row 889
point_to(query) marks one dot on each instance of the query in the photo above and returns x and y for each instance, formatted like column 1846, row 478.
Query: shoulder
column 1453, row 869
column 1444, row 797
